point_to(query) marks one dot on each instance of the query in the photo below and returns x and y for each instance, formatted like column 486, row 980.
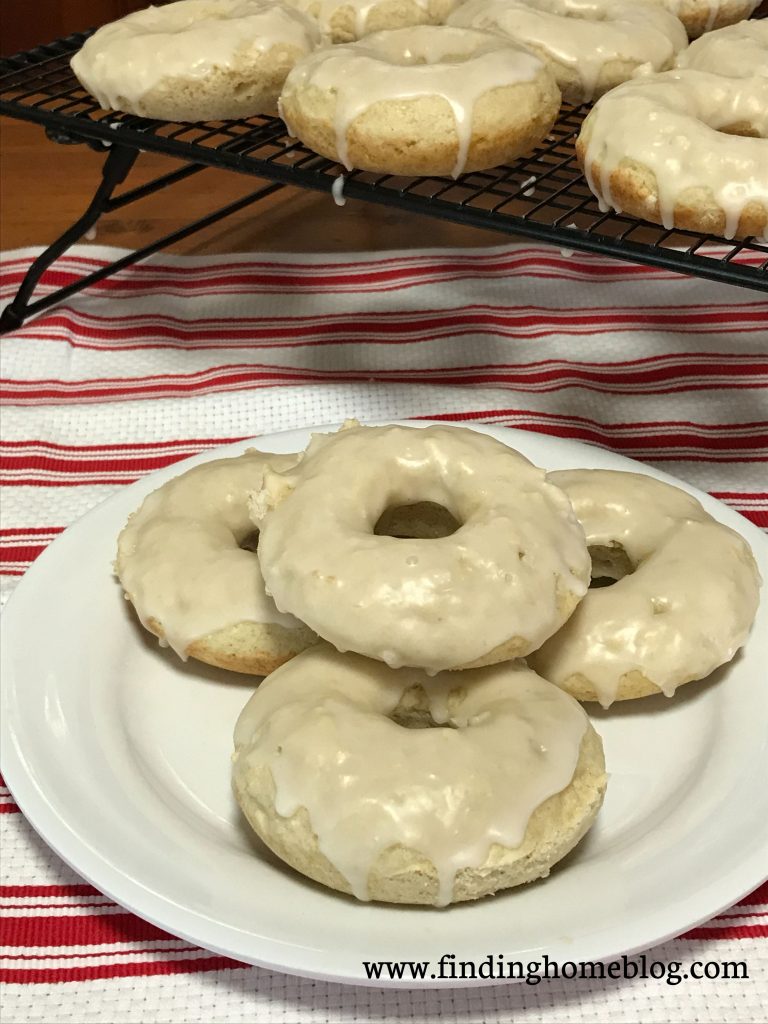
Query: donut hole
column 742, row 128
column 415, row 46
column 610, row 563
column 421, row 719
column 250, row 541
column 413, row 711
column 422, row 520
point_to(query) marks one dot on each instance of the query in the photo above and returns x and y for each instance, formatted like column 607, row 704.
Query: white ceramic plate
column 119, row 756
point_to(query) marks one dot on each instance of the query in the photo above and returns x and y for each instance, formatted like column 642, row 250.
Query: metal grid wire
column 543, row 195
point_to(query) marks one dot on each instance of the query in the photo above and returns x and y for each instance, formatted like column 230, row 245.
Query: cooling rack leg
column 117, row 165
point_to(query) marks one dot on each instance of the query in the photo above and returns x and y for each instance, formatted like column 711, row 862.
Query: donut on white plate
column 186, row 561
column 394, row 786
column 495, row 589
column 687, row 591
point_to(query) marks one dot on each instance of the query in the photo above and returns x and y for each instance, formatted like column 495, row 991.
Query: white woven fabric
column 179, row 355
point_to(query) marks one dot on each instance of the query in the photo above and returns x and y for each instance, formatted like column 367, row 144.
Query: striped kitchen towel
column 179, row 355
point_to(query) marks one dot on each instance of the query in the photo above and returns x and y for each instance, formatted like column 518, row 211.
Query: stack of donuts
column 420, row 602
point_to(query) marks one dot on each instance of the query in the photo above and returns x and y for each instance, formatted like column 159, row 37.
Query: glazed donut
column 186, row 563
column 668, row 149
column 196, row 60
column 686, row 596
column 508, row 578
column 738, row 51
column 418, row 814
column 700, row 16
column 591, row 45
column 423, row 100
column 343, row 21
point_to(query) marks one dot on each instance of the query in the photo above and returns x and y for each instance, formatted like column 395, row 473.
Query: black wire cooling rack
column 542, row 196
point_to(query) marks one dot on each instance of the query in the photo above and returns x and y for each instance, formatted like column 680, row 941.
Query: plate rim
column 135, row 895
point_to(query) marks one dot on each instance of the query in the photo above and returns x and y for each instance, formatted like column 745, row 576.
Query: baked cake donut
column 452, row 788
column 738, row 51
column 423, row 100
column 186, row 563
column 686, row 596
column 675, row 149
column 508, row 577
column 343, row 21
column 700, row 16
column 196, row 60
column 591, row 47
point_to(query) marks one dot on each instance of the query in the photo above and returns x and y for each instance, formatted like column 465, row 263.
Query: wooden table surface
column 44, row 187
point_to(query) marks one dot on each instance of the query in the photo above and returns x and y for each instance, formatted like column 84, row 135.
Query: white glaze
column 337, row 191
column 321, row 726
column 438, row 603
column 324, row 11
column 738, row 51
column 189, row 39
column 458, row 65
column 582, row 35
column 670, row 123
column 713, row 7
column 178, row 556
column 687, row 607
